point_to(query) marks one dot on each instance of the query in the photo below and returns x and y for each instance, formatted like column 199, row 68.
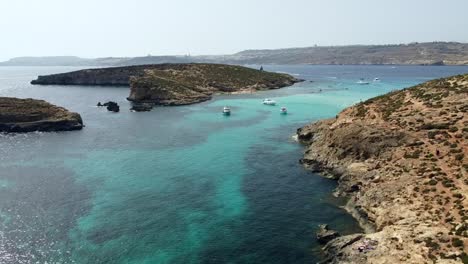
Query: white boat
column 376, row 80
column 269, row 102
column 283, row 110
column 226, row 110
column 362, row 81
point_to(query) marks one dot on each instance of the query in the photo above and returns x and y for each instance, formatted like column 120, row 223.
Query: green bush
column 456, row 242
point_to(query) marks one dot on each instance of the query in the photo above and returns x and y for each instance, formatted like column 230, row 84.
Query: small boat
column 362, row 81
column 283, row 110
column 268, row 102
column 376, row 80
column 226, row 110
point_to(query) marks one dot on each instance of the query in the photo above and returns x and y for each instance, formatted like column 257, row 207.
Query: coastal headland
column 401, row 158
column 174, row 84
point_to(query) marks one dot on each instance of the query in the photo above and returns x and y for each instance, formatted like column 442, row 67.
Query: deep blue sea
column 178, row 184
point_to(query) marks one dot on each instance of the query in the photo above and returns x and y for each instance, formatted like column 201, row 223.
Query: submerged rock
column 141, row 107
column 27, row 115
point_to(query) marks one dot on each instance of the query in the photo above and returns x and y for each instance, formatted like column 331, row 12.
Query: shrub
column 432, row 182
column 456, row 242
column 464, row 258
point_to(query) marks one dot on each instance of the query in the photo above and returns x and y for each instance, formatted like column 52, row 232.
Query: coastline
column 402, row 173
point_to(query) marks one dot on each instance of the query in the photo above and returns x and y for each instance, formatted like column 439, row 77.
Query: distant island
column 429, row 53
column 402, row 160
column 27, row 115
column 174, row 84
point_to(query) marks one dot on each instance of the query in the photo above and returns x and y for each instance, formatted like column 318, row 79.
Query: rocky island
column 401, row 158
column 174, row 84
column 27, row 115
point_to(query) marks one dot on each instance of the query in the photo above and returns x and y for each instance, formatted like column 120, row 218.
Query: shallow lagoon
column 178, row 184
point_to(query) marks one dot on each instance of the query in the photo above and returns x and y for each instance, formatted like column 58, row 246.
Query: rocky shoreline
column 401, row 158
column 28, row 115
column 174, row 84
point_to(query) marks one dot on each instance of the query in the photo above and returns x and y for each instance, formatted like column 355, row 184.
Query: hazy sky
column 97, row 28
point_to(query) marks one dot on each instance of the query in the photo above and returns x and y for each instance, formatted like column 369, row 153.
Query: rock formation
column 26, row 115
column 325, row 234
column 112, row 106
column 175, row 84
column 401, row 158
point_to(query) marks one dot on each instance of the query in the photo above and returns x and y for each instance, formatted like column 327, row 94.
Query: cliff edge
column 402, row 160
column 27, row 115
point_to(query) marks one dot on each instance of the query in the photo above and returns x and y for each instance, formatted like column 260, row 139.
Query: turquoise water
column 180, row 184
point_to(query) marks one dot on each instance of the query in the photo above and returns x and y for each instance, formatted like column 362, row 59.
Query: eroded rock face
column 401, row 158
column 27, row 115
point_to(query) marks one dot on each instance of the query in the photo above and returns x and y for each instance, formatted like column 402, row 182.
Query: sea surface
column 178, row 184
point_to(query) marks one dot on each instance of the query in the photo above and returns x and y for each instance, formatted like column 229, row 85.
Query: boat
column 269, row 102
column 226, row 110
column 283, row 110
column 376, row 80
column 362, row 81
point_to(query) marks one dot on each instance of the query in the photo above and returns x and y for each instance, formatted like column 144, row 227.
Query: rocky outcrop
column 112, row 106
column 401, row 158
column 27, row 115
column 175, row 84
column 192, row 83
column 325, row 234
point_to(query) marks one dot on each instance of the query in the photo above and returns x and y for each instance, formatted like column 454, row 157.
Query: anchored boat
column 362, row 81
column 226, row 110
column 268, row 102
column 283, row 110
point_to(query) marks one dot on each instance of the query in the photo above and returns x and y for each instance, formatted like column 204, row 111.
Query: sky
column 103, row 28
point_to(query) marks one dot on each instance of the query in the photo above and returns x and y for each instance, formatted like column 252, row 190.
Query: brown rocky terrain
column 192, row 83
column 402, row 160
column 175, row 84
column 26, row 115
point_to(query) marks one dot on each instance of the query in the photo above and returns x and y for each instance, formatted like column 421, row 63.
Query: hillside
column 449, row 53
column 431, row 53
column 402, row 158
column 174, row 84
column 60, row 61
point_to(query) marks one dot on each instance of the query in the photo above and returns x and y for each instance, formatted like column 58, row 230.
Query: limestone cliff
column 175, row 84
column 402, row 160
column 191, row 83
column 26, row 115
